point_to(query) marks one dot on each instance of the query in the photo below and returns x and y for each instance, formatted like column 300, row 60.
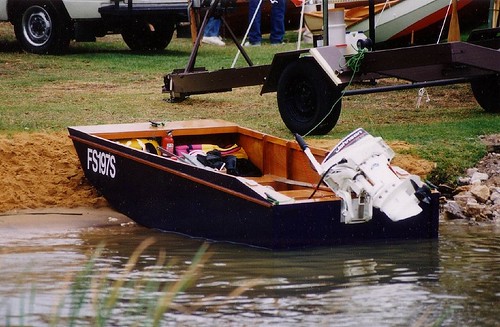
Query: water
column 453, row 281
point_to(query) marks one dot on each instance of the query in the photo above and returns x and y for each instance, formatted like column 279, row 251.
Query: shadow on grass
column 9, row 46
column 101, row 48
column 12, row 46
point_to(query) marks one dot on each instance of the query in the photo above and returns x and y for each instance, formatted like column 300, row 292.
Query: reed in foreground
column 95, row 297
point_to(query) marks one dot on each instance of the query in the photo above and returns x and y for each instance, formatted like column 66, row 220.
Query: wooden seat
column 273, row 179
column 265, row 179
column 306, row 193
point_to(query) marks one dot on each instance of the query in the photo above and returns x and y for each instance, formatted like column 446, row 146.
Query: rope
column 246, row 34
column 379, row 17
column 444, row 22
column 354, row 63
column 301, row 24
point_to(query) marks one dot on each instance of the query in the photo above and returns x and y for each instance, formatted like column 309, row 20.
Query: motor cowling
column 358, row 170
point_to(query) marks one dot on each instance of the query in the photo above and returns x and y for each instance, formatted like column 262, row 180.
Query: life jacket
column 234, row 150
column 147, row 145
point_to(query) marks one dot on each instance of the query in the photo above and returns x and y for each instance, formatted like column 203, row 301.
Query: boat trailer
column 311, row 83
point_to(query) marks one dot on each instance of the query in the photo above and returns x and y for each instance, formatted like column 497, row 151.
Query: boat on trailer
column 400, row 23
column 219, row 181
column 408, row 17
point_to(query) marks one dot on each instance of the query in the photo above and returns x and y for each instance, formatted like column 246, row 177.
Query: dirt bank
column 41, row 170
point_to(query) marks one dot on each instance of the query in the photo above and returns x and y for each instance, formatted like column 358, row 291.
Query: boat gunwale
column 224, row 127
column 129, row 130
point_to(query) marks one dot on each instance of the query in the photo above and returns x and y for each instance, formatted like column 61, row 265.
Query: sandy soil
column 41, row 170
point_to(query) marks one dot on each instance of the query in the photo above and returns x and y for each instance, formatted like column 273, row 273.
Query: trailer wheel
column 487, row 93
column 306, row 95
column 142, row 35
column 40, row 30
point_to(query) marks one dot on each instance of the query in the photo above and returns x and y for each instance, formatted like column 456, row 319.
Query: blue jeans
column 212, row 27
column 277, row 21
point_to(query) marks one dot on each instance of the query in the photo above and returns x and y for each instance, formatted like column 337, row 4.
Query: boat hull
column 170, row 196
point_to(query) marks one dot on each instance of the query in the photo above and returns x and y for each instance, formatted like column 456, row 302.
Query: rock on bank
column 478, row 196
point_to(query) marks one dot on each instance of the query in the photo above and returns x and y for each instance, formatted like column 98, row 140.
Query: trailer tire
column 306, row 95
column 41, row 30
column 142, row 35
column 487, row 93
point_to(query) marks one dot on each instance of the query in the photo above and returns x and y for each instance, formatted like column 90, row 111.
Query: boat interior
column 281, row 163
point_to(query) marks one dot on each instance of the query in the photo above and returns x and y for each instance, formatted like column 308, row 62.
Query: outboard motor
column 358, row 170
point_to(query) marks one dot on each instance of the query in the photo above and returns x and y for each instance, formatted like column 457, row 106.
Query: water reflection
column 470, row 278
column 451, row 282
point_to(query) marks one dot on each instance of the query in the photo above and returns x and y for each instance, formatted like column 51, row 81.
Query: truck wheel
column 487, row 93
column 306, row 95
column 41, row 31
column 143, row 36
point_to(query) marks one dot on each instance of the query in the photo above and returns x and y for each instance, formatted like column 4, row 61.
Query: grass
column 103, row 82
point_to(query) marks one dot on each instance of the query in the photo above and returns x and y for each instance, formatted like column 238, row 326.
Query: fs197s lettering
column 101, row 162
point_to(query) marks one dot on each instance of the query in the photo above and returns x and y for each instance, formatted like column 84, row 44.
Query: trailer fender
column 278, row 65
column 329, row 58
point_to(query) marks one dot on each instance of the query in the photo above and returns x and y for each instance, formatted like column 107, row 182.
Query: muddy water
column 454, row 281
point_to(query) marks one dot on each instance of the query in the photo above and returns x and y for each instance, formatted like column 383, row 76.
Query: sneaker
column 214, row 40
column 277, row 43
column 250, row 44
column 307, row 37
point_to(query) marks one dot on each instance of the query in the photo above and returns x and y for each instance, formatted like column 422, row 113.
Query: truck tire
column 308, row 101
column 487, row 93
column 40, row 30
column 142, row 35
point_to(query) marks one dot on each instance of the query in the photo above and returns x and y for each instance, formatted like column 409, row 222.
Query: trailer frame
column 476, row 61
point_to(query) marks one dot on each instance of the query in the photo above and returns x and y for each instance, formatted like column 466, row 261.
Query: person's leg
column 212, row 27
column 254, row 35
column 211, row 33
column 277, row 21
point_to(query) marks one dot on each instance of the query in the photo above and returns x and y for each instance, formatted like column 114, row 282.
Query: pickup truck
column 48, row 26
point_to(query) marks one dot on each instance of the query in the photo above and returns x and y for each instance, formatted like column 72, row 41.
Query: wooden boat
column 275, row 201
